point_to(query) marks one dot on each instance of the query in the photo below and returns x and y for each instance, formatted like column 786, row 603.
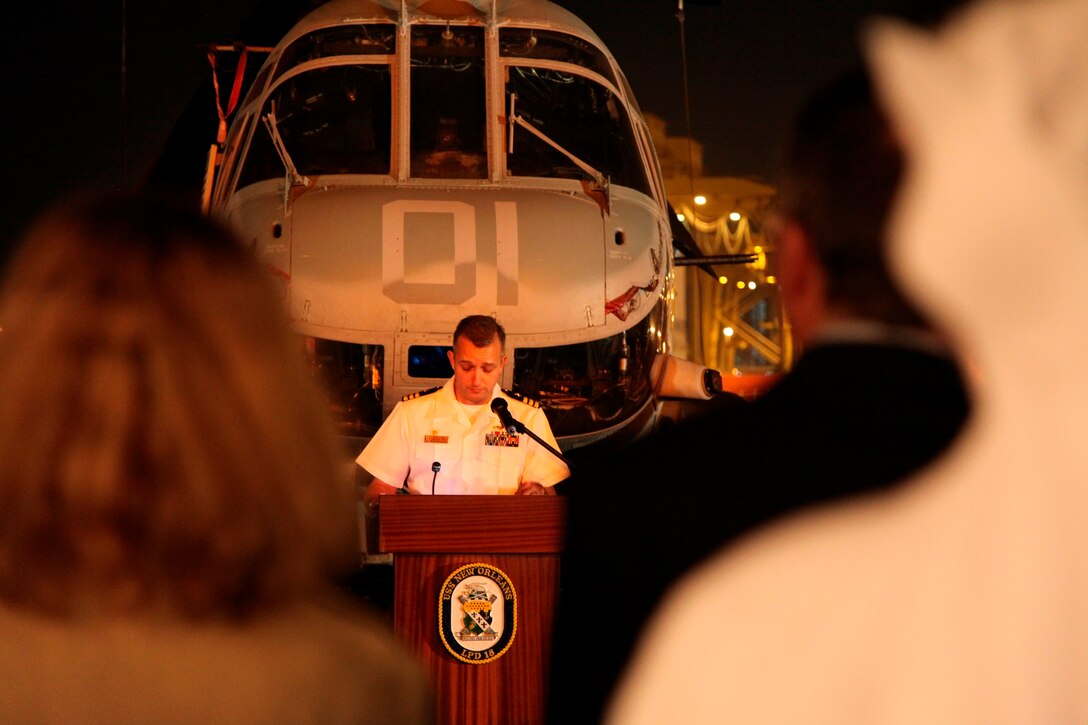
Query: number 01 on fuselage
column 397, row 169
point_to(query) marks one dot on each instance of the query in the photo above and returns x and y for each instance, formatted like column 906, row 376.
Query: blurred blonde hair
column 162, row 445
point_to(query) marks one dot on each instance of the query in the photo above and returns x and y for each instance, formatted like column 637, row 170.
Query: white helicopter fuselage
column 397, row 166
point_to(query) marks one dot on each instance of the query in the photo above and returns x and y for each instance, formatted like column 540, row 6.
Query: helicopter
column 399, row 164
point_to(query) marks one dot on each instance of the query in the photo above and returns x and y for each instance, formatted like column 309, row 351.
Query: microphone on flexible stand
column 436, row 467
column 500, row 408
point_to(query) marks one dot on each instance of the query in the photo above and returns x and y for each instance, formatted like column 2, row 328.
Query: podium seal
column 477, row 613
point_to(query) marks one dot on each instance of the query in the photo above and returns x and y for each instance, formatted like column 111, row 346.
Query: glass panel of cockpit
column 576, row 115
column 378, row 39
column 591, row 386
column 332, row 120
column 351, row 378
column 551, row 46
column 449, row 119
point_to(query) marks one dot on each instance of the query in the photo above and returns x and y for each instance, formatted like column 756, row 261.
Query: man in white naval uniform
column 448, row 441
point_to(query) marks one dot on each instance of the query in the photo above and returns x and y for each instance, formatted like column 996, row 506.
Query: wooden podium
column 515, row 541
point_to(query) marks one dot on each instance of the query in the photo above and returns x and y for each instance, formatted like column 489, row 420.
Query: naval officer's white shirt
column 476, row 454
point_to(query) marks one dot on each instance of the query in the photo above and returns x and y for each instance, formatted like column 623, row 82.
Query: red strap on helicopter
column 239, row 75
column 618, row 306
column 235, row 91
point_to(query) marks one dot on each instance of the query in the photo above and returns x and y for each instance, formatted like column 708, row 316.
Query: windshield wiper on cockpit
column 598, row 178
column 277, row 142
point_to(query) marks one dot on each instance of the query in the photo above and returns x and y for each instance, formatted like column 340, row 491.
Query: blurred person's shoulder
column 313, row 662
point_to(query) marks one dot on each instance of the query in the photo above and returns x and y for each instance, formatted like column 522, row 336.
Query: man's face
column 475, row 370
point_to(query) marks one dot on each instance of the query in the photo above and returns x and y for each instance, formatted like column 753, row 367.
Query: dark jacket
column 848, row 418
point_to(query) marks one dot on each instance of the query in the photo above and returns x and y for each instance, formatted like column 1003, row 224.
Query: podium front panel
column 431, row 539
column 508, row 689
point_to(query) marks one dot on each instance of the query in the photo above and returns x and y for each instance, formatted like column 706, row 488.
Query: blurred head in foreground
column 840, row 171
column 161, row 446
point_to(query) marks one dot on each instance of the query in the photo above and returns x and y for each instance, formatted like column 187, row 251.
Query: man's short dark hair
column 481, row 331
column 841, row 168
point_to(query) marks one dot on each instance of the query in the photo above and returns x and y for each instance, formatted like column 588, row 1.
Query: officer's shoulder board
column 521, row 398
column 420, row 393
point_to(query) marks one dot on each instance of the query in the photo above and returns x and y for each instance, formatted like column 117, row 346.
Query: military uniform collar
column 451, row 408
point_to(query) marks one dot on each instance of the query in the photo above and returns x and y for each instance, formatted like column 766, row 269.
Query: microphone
column 436, row 467
column 500, row 408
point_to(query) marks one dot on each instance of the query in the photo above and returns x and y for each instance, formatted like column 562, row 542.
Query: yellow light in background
column 652, row 329
column 740, row 285
column 680, row 217
column 751, row 285
column 723, row 279
column 700, row 200
column 734, row 217
column 761, row 258
column 771, row 279
column 727, row 331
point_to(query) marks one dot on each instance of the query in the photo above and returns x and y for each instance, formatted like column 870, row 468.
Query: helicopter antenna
column 124, row 91
column 687, row 98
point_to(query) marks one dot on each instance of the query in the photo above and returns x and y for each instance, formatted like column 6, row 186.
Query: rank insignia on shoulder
column 521, row 398
column 420, row 393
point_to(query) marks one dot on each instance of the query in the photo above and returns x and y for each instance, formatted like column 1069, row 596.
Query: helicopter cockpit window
column 376, row 39
column 577, row 114
column 351, row 377
column 429, row 361
column 256, row 88
column 591, row 386
column 332, row 120
column 559, row 47
column 448, row 127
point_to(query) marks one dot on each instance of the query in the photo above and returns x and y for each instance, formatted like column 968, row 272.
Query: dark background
column 113, row 95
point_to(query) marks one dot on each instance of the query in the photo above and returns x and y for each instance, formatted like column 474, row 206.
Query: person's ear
column 795, row 261
column 802, row 281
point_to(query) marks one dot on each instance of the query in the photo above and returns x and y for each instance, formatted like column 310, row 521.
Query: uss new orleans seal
column 477, row 613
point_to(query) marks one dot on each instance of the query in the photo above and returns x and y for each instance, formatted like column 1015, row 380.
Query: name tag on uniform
column 435, row 438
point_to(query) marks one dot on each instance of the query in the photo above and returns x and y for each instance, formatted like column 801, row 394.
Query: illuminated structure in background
column 732, row 321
